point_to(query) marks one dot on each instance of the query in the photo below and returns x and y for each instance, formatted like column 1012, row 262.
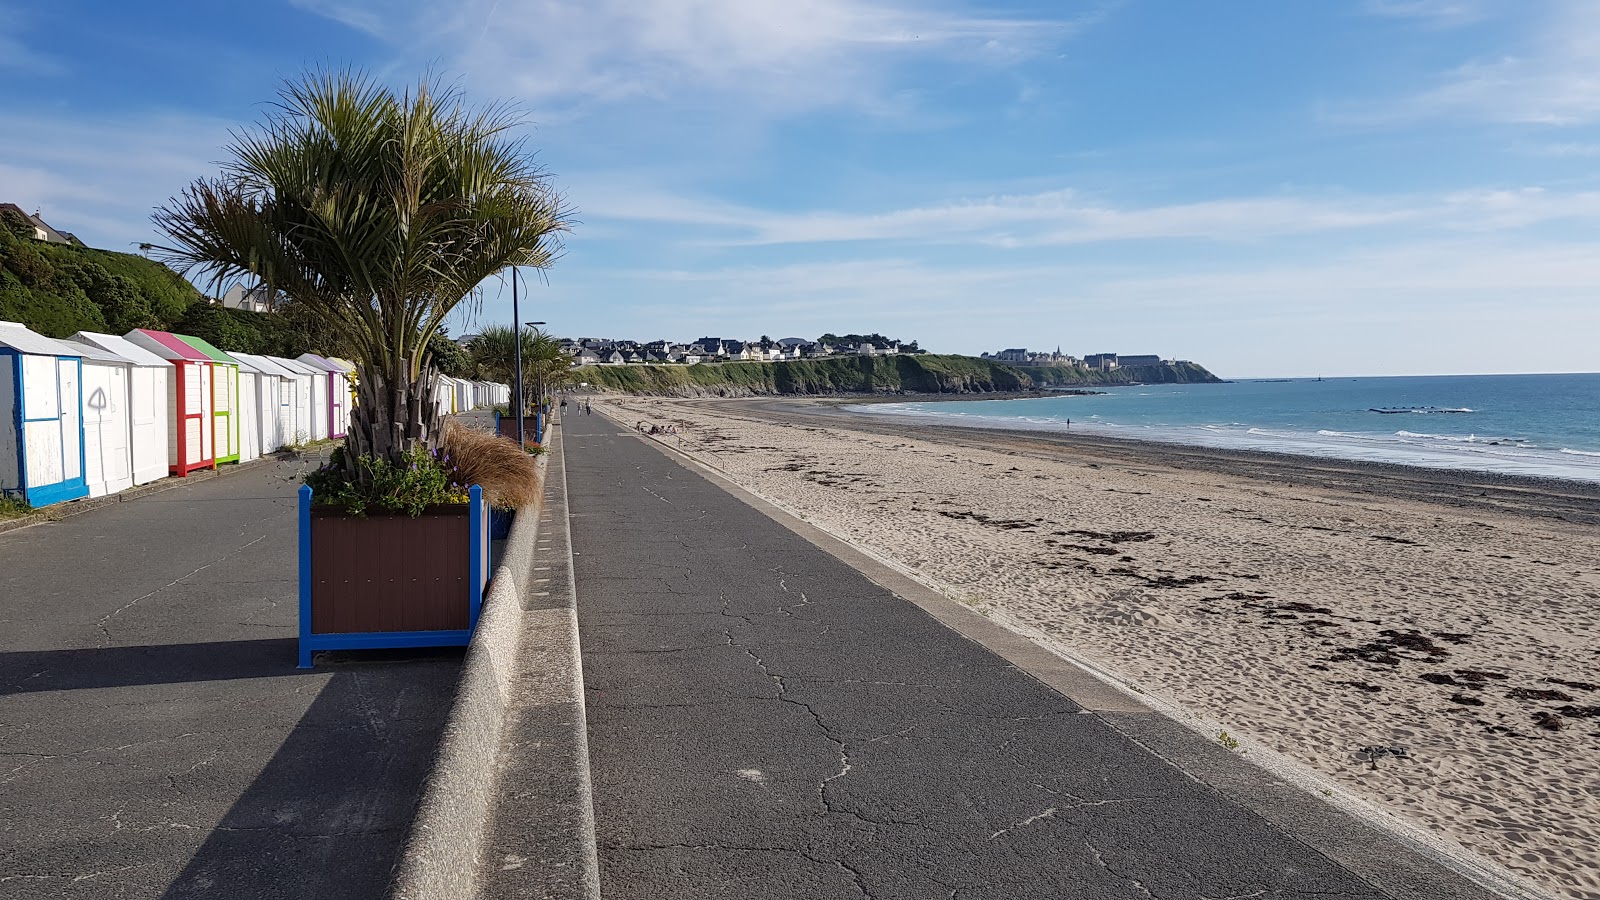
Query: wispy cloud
column 1548, row 77
column 101, row 178
column 1064, row 217
column 1433, row 12
column 15, row 52
column 1331, row 311
column 794, row 54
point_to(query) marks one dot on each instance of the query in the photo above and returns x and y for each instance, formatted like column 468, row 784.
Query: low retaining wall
column 524, row 655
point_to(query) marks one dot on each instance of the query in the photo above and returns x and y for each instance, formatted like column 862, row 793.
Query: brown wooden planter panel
column 508, row 427
column 390, row 573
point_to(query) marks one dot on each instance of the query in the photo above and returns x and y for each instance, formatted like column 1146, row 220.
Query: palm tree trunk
column 393, row 415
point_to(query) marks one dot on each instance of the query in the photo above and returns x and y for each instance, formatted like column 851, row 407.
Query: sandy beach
column 1307, row 609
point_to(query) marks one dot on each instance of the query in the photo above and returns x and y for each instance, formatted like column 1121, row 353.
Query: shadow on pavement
column 330, row 812
column 110, row 667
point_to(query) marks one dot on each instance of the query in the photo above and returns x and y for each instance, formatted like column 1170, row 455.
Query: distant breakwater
column 899, row 374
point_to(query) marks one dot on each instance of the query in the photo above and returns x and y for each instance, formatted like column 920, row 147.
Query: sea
column 1541, row 426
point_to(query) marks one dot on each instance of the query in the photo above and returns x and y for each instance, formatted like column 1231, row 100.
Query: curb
column 524, row 656
column 72, row 508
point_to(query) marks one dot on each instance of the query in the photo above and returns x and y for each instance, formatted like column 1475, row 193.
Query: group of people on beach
column 657, row 429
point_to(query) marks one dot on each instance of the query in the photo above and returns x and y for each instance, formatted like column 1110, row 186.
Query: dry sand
column 1312, row 621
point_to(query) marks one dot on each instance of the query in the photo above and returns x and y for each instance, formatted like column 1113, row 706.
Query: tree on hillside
column 16, row 224
column 379, row 213
column 449, row 357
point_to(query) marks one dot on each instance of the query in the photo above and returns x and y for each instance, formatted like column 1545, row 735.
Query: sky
column 1352, row 187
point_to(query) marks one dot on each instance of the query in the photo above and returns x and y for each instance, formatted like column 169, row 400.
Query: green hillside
column 921, row 374
column 57, row 289
column 60, row 289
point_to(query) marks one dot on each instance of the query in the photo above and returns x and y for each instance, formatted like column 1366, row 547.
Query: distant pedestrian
column 1069, row 423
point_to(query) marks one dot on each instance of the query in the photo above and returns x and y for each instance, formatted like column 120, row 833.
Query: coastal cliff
column 910, row 374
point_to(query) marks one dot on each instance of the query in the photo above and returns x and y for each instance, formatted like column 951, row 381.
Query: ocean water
column 1528, row 425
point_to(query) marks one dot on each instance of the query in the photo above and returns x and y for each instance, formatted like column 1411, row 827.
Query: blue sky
column 1271, row 188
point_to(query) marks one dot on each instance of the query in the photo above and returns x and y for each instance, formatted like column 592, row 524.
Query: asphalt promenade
column 156, row 740
column 766, row 722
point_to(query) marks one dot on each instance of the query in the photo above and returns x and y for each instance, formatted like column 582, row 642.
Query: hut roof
column 18, row 337
column 170, row 346
column 121, row 346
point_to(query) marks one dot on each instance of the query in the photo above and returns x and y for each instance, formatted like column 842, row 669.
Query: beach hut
column 463, row 394
column 274, row 402
column 336, row 388
column 305, row 388
column 107, row 426
column 349, row 369
column 191, row 403
column 148, row 377
column 227, row 417
column 41, row 417
column 317, row 425
column 442, row 394
column 247, row 411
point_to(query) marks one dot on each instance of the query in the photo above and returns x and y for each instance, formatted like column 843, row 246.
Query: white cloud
column 787, row 53
column 100, row 179
column 1063, row 217
column 1434, row 12
column 1550, row 77
column 14, row 51
column 1420, row 307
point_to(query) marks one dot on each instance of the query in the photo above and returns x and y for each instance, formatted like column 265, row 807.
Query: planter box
column 506, row 427
column 391, row 581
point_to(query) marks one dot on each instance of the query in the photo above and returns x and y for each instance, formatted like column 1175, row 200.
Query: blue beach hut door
column 52, row 429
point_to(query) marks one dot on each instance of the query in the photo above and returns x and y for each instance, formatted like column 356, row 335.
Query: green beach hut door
column 225, row 389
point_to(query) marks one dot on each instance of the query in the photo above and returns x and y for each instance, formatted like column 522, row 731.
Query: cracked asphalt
column 765, row 722
column 155, row 737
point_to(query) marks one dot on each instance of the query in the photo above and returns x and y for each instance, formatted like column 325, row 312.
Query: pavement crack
column 783, row 696
column 105, row 622
column 1100, row 860
column 1047, row 813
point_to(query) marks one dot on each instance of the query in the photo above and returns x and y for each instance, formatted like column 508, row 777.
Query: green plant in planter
column 418, row 481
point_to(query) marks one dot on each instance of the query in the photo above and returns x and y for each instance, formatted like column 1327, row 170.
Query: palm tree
column 380, row 214
column 544, row 364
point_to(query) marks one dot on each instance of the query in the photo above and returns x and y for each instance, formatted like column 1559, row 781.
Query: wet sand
column 1309, row 608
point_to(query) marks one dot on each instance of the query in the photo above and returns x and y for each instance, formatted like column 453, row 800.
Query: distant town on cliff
column 590, row 351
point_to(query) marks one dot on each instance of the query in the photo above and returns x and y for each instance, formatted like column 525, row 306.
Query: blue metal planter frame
column 477, row 519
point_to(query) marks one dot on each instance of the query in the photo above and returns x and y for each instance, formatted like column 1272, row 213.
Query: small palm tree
column 544, row 364
column 378, row 213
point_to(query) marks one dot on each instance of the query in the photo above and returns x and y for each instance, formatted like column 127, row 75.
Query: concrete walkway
column 155, row 737
column 764, row 721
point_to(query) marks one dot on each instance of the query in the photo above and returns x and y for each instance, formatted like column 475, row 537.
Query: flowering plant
column 419, row 480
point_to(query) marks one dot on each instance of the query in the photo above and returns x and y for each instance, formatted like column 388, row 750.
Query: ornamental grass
column 509, row 476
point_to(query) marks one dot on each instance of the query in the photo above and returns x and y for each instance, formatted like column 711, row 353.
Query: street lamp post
column 538, row 411
column 516, row 338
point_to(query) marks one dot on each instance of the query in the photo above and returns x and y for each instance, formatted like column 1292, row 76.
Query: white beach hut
column 336, row 392
column 249, row 408
column 443, row 394
column 107, row 423
column 301, row 429
column 41, row 417
column 274, row 402
column 148, row 376
column 190, row 400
